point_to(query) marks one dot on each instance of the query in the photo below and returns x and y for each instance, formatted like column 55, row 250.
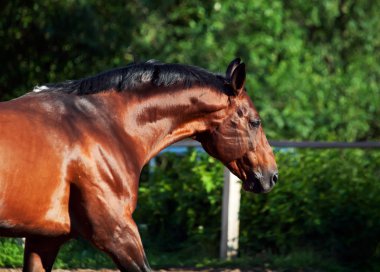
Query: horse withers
column 71, row 153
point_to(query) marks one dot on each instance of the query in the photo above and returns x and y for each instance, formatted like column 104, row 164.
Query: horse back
column 50, row 143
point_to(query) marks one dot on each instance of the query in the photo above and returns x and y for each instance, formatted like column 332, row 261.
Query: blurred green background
column 313, row 73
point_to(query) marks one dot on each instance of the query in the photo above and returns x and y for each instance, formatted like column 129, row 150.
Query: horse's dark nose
column 274, row 178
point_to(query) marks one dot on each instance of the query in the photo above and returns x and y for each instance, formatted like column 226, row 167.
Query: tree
column 313, row 66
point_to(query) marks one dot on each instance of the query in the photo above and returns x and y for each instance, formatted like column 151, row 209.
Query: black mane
column 135, row 75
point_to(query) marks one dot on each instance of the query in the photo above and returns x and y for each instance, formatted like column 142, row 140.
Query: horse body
column 31, row 163
column 70, row 163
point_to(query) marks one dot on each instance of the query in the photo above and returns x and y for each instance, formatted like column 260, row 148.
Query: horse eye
column 255, row 123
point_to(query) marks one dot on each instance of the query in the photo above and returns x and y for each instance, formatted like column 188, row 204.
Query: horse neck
column 166, row 117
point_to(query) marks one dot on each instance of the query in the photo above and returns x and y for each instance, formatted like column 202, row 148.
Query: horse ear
column 232, row 66
column 238, row 79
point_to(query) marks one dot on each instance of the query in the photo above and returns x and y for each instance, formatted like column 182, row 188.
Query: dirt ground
column 160, row 270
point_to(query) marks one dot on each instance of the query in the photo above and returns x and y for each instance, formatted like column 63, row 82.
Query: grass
column 79, row 254
column 297, row 261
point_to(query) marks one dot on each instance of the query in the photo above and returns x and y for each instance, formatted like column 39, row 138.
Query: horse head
column 239, row 140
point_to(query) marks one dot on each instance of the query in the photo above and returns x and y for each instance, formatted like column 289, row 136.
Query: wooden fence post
column 229, row 242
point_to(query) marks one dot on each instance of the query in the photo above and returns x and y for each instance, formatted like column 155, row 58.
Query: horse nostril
column 275, row 178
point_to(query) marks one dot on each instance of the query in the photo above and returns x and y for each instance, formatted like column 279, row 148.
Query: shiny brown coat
column 70, row 163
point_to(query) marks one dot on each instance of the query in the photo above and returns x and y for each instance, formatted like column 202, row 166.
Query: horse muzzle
column 259, row 183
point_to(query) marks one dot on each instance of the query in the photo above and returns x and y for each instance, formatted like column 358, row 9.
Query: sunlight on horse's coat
column 40, row 88
column 71, row 153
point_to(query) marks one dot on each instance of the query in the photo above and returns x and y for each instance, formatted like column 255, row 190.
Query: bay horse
column 71, row 153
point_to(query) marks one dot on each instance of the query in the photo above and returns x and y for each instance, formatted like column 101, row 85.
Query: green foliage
column 313, row 67
column 180, row 204
column 11, row 252
column 45, row 41
column 326, row 200
column 80, row 254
